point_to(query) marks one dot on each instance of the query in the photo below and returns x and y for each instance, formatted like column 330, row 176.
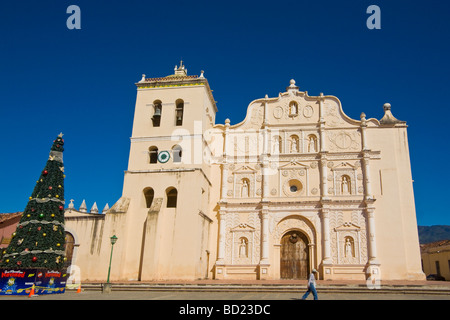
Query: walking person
column 311, row 285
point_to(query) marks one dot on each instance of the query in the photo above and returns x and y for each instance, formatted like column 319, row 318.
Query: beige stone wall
column 295, row 163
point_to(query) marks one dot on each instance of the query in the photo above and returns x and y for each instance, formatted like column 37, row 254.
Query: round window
column 293, row 188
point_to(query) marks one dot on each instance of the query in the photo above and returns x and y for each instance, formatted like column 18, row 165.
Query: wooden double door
column 294, row 257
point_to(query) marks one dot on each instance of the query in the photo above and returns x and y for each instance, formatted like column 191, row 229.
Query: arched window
column 153, row 154
column 149, row 194
column 157, row 104
column 176, row 153
column 172, row 195
column 179, row 112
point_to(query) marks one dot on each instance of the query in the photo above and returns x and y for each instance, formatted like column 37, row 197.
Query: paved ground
column 229, row 296
column 253, row 290
column 194, row 302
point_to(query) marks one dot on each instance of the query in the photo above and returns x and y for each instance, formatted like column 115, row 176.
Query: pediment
column 244, row 169
column 347, row 226
column 344, row 165
column 293, row 165
column 243, row 227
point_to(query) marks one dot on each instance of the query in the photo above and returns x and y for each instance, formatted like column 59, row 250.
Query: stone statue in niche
column 243, row 248
column 345, row 185
column 348, row 246
column 293, row 108
column 312, row 144
column 276, row 145
column 294, row 144
column 244, row 191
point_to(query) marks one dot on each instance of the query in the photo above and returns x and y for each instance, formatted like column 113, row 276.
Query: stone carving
column 308, row 111
column 348, row 239
column 292, row 223
column 244, row 188
column 344, row 140
column 278, row 112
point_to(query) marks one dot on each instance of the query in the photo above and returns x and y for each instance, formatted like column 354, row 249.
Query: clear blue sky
column 81, row 82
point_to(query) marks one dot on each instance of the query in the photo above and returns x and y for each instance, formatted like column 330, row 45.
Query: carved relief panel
column 245, row 184
column 242, row 240
column 343, row 140
column 243, row 244
column 293, row 179
column 291, row 109
column 348, row 239
column 344, row 176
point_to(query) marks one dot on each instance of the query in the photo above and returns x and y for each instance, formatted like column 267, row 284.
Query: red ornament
column 50, row 188
column 61, row 208
column 34, row 259
column 39, row 228
column 45, row 172
column 19, row 263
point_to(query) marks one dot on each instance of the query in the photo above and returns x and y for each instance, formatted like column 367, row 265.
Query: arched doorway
column 294, row 256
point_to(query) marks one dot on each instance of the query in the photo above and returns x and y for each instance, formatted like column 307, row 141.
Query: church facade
column 297, row 185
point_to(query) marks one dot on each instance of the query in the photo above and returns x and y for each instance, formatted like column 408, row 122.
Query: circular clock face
column 163, row 156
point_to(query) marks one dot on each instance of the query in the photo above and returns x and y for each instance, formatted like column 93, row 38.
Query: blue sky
column 81, row 82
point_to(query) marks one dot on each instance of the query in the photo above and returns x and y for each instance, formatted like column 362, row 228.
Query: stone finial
column 388, row 118
column 292, row 87
column 143, row 78
column 83, row 207
column 363, row 119
column 94, row 208
column 71, row 206
column 201, row 74
column 106, row 208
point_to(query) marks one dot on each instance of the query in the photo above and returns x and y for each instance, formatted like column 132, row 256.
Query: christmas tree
column 39, row 239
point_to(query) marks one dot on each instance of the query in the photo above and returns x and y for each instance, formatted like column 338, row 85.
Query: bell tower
column 167, row 182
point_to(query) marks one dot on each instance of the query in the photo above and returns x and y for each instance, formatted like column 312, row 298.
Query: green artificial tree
column 39, row 239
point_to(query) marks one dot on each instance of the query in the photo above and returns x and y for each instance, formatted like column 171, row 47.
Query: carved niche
column 245, row 182
column 344, row 176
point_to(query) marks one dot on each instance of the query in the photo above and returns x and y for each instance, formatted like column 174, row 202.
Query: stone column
column 324, row 178
column 326, row 236
column 322, row 147
column 367, row 187
column 312, row 260
column 264, row 236
column 264, row 264
column 225, row 160
column 363, row 131
column 372, row 239
column 265, row 180
column 221, row 249
column 224, row 180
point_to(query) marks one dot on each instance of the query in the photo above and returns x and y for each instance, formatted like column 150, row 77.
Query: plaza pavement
column 288, row 290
